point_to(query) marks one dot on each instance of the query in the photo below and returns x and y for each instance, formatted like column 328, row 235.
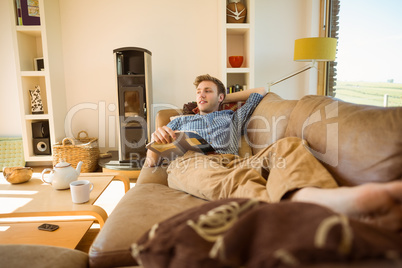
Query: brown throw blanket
column 250, row 233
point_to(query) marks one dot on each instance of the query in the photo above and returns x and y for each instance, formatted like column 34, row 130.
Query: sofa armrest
column 163, row 116
column 158, row 174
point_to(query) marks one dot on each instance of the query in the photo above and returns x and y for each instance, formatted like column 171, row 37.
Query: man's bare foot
column 375, row 203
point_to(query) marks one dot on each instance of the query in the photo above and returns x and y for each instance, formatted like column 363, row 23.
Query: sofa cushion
column 41, row 256
column 139, row 209
column 248, row 233
column 268, row 122
column 356, row 143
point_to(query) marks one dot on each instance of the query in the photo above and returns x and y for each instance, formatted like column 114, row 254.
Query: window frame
column 329, row 27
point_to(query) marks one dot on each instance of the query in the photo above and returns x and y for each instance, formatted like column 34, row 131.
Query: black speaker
column 41, row 146
column 40, row 129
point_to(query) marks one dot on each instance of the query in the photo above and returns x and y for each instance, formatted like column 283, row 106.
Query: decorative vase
column 36, row 101
column 235, row 12
column 236, row 61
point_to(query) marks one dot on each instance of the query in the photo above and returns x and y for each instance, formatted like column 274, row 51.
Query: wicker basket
column 72, row 151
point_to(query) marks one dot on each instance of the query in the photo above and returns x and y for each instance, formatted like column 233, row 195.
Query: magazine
column 185, row 141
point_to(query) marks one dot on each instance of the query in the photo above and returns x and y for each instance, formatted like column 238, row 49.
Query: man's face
column 208, row 99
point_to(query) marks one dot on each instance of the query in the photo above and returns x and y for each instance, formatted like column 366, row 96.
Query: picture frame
column 30, row 12
column 39, row 64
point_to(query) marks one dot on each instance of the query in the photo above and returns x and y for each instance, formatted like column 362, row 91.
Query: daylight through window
column 368, row 67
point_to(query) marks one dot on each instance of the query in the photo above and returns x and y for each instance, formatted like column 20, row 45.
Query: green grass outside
column 369, row 93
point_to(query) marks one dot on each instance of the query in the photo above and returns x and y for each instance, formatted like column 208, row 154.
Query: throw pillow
column 191, row 107
column 250, row 233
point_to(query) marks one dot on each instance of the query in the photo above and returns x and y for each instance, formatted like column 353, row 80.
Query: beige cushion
column 139, row 209
column 356, row 143
column 38, row 256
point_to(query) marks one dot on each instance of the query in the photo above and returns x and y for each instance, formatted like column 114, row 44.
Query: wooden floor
column 108, row 200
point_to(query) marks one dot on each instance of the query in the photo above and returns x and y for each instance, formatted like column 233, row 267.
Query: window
column 368, row 67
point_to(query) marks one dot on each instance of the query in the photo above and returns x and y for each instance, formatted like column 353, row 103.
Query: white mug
column 80, row 190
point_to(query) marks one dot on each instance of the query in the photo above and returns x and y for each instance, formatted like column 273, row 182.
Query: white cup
column 80, row 191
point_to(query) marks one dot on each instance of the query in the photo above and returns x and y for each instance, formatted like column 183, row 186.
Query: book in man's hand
column 185, row 141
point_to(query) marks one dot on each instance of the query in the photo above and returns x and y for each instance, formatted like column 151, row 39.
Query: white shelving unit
column 40, row 41
column 238, row 40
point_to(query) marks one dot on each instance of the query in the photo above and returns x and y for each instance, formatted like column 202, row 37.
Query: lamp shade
column 315, row 48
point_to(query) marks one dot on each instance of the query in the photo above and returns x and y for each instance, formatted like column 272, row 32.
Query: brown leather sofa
column 356, row 143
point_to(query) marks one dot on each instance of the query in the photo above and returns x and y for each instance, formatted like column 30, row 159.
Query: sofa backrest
column 356, row 143
column 268, row 122
column 163, row 116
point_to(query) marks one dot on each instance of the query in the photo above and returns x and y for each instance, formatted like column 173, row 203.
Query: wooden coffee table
column 68, row 235
column 20, row 204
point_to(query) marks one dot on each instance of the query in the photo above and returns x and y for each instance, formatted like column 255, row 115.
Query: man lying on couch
column 301, row 178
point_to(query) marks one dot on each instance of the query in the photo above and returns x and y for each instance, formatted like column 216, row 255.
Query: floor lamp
column 311, row 50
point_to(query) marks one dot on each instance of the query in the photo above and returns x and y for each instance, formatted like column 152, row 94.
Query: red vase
column 236, row 61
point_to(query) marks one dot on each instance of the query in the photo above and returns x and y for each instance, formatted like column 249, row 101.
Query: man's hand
column 163, row 135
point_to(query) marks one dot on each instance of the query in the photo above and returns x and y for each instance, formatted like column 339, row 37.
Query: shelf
column 39, row 158
column 131, row 75
column 238, row 40
column 30, row 30
column 237, row 70
column 239, row 78
column 237, row 28
column 30, row 79
column 238, row 25
column 32, row 117
column 32, row 73
column 29, row 47
column 33, row 42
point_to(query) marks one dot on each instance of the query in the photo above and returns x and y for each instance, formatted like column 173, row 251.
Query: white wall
column 10, row 122
column 278, row 25
column 183, row 38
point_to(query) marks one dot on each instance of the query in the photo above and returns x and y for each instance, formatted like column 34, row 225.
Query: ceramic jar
column 236, row 12
column 36, row 101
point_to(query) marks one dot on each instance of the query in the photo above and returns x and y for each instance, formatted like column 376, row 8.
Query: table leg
column 116, row 176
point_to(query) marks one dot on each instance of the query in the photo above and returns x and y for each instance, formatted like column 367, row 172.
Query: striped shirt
column 222, row 129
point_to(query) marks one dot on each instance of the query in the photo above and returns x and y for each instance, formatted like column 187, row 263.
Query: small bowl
column 16, row 175
column 236, row 61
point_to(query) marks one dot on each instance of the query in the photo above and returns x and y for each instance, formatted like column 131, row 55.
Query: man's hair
column 216, row 81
